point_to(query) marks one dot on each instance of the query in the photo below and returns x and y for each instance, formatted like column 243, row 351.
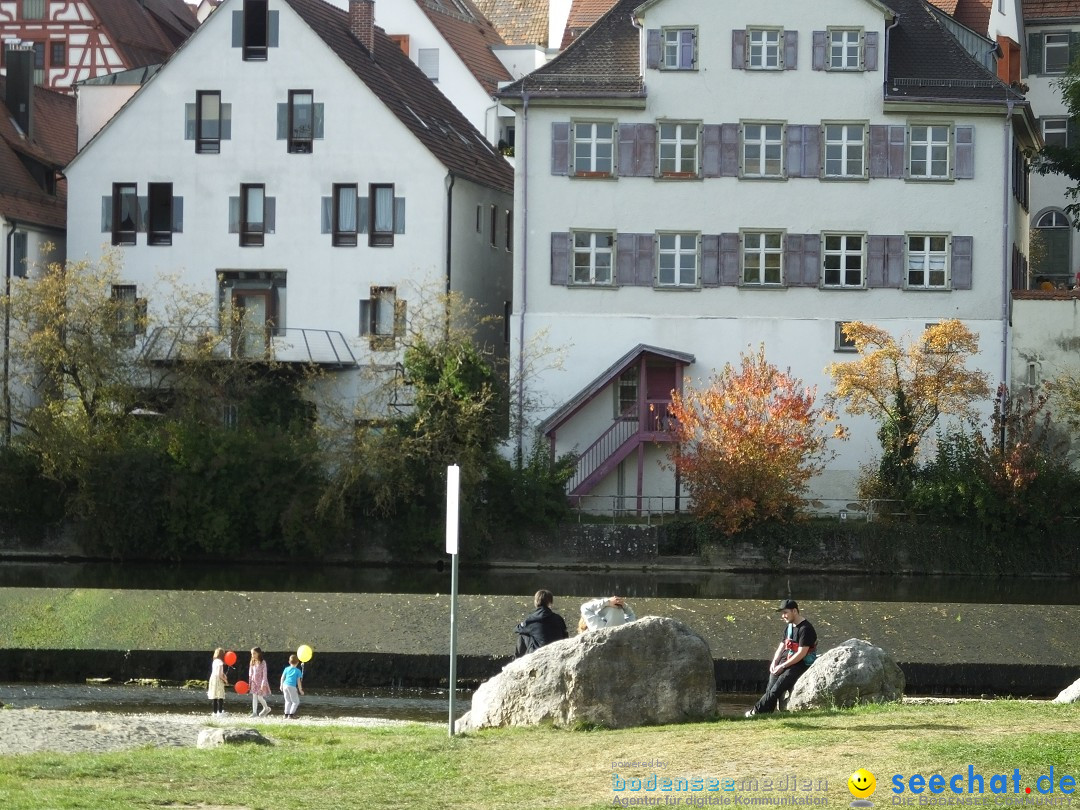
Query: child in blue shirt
column 292, row 686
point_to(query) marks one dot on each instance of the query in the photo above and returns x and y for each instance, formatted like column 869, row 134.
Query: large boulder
column 855, row 672
column 648, row 672
column 1070, row 694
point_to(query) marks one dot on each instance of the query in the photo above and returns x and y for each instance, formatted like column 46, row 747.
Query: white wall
column 797, row 325
column 97, row 103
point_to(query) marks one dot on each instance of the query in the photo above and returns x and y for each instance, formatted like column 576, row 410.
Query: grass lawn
column 421, row 767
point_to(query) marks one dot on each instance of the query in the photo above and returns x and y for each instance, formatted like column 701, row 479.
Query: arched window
column 1051, row 264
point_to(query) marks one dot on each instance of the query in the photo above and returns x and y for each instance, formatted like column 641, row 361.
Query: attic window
column 256, row 30
column 428, row 60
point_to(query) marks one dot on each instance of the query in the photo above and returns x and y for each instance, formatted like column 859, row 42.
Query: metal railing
column 625, row 508
column 602, row 449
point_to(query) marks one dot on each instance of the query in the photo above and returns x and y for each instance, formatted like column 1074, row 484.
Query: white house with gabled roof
column 697, row 178
column 293, row 164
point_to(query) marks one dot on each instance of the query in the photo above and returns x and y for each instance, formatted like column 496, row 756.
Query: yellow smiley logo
column 862, row 784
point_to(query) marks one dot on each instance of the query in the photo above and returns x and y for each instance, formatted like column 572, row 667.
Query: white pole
column 453, row 485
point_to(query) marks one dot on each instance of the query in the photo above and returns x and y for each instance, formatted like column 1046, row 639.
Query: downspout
column 1006, row 275
column 8, row 272
column 449, row 242
column 520, row 452
column 895, row 22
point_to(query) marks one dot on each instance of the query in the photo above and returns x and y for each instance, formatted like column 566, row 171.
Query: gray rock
column 213, row 737
column 1070, row 694
column 648, row 672
column 855, row 672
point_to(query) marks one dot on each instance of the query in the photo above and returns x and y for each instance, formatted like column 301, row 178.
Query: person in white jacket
column 607, row 611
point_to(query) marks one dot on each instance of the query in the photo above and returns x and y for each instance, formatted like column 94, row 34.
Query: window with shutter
column 344, row 215
column 678, row 144
column 256, row 30
column 208, row 132
column 677, row 260
column 1055, row 52
column 253, row 224
column 930, row 151
column 843, row 260
column 763, row 150
column 594, row 148
column 844, row 49
column 381, row 214
column 159, row 229
column 764, row 49
column 679, row 48
column 845, row 150
column 927, row 262
column 594, row 258
column 301, row 123
column 762, row 258
column 125, row 213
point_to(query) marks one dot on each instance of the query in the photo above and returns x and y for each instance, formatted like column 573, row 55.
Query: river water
column 435, row 578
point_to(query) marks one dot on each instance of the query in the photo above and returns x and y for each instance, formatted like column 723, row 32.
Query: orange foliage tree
column 747, row 444
column 906, row 388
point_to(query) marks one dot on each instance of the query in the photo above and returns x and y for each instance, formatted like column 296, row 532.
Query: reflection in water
column 338, row 578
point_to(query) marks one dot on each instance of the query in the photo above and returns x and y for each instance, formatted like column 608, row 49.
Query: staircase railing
column 598, row 452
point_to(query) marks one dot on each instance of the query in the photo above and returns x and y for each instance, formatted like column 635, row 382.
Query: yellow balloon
column 304, row 653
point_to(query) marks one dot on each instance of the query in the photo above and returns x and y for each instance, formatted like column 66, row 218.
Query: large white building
column 293, row 164
column 696, row 178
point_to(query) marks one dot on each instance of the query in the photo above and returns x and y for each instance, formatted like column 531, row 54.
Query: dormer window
column 256, row 30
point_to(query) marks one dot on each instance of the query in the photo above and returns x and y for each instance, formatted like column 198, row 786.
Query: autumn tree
column 748, row 443
column 906, row 388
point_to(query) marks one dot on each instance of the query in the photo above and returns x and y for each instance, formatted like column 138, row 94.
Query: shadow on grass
column 905, row 727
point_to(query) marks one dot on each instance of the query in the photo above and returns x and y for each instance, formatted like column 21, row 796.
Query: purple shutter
column 710, row 260
column 879, row 150
column 686, row 49
column 962, row 247
column 560, row 147
column 898, row 152
column 870, row 49
column 791, row 49
column 811, row 150
column 625, row 257
column 560, row 259
column 729, row 258
column 652, row 49
column 729, row 150
column 645, row 151
column 811, row 260
column 627, row 144
column 710, row 150
column 965, row 153
column 894, row 262
column 818, row 58
column 875, row 261
column 738, row 49
column 791, row 275
column 644, row 261
column 793, row 152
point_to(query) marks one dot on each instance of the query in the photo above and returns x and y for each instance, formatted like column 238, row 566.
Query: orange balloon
column 230, row 658
column 241, row 687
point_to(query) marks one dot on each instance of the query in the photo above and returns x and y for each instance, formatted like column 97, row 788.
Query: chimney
column 362, row 23
column 19, row 97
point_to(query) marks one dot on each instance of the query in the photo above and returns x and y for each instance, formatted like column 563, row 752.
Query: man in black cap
column 793, row 656
column 540, row 627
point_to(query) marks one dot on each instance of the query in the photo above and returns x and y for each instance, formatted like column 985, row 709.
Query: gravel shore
column 25, row 731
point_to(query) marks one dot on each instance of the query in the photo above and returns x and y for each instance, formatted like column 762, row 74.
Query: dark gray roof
column 926, row 62
column 411, row 96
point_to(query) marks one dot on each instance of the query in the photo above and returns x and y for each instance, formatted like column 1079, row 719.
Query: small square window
column 927, row 262
column 842, row 342
column 1055, row 132
column 58, row 53
column 843, row 260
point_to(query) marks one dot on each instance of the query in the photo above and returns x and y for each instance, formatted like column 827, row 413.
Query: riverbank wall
column 368, row 640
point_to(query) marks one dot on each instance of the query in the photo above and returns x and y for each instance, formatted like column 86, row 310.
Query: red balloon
column 241, row 687
column 230, row 658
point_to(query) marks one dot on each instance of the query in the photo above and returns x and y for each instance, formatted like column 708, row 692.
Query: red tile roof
column 584, row 13
column 975, row 14
column 411, row 96
column 519, row 22
column 948, row 6
column 54, row 143
column 472, row 37
column 1046, row 9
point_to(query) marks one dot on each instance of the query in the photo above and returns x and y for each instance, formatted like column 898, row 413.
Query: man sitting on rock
column 792, row 657
column 540, row 627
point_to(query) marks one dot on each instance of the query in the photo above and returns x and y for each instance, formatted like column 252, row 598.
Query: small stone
column 214, row 737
